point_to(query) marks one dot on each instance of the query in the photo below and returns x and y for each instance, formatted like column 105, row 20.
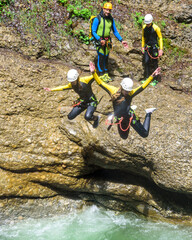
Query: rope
column 77, row 104
column 150, row 54
column 120, row 123
column 108, row 43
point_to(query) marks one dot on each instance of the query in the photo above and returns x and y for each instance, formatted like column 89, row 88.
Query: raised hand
column 156, row 72
column 47, row 89
column 125, row 44
column 92, row 67
column 160, row 52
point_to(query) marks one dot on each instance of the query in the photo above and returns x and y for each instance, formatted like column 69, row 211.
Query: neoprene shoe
column 104, row 78
column 96, row 122
column 108, row 78
column 150, row 110
column 154, row 83
column 134, row 107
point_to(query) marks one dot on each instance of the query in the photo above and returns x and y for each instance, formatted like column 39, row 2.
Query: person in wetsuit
column 86, row 100
column 101, row 29
column 151, row 35
column 121, row 98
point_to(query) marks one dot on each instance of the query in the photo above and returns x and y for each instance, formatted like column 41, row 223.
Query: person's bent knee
column 70, row 116
column 144, row 134
column 88, row 116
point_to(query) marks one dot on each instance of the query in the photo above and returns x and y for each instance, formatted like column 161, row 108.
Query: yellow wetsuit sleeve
column 61, row 88
column 158, row 31
column 143, row 39
column 86, row 79
column 139, row 89
column 108, row 88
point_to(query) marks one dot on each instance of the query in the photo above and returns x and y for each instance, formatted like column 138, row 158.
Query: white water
column 93, row 224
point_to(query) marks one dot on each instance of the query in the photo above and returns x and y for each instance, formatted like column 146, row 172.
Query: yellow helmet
column 108, row 5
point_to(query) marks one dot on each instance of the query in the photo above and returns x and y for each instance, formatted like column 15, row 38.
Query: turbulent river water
column 93, row 223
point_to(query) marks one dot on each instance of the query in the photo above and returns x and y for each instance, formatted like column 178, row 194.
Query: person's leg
column 143, row 129
column 90, row 117
column 89, row 113
column 107, row 77
column 155, row 61
column 75, row 112
column 146, row 64
column 105, row 63
column 100, row 60
column 139, row 128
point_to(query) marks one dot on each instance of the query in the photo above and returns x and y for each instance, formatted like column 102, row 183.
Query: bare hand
column 125, row 44
column 160, row 52
column 156, row 72
column 47, row 89
column 102, row 42
column 92, row 67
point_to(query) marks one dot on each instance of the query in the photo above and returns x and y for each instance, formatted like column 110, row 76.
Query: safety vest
column 104, row 27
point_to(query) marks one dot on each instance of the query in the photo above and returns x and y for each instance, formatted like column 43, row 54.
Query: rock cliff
column 45, row 156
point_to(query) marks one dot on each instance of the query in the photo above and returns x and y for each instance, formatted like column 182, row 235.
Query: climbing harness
column 147, row 47
column 107, row 122
column 78, row 102
column 108, row 43
column 93, row 102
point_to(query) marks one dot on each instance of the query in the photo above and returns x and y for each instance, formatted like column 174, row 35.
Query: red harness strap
column 150, row 54
column 120, row 123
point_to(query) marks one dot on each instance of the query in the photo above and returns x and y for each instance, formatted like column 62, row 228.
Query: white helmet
column 127, row 84
column 148, row 19
column 72, row 75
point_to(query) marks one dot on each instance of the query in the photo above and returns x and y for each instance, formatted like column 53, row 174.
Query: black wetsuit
column 124, row 110
column 150, row 37
column 86, row 100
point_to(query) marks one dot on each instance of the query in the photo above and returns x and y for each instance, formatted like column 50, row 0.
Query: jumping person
column 151, row 33
column 101, row 29
column 86, row 100
column 124, row 114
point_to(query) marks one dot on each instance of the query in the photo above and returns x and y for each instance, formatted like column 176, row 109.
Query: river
column 93, row 223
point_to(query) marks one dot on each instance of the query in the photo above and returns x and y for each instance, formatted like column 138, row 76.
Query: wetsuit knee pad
column 88, row 116
column 70, row 116
column 144, row 134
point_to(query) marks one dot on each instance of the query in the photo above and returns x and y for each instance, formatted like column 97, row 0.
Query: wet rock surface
column 46, row 158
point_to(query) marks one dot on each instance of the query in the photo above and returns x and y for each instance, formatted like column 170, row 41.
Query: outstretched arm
column 60, row 88
column 108, row 88
column 47, row 89
column 156, row 72
column 118, row 36
column 136, row 91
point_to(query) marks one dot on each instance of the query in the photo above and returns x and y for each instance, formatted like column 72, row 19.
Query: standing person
column 101, row 29
column 121, row 97
column 151, row 33
column 86, row 100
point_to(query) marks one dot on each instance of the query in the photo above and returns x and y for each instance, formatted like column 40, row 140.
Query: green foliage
column 84, row 13
column 163, row 24
column 84, row 38
column 174, row 52
column 40, row 19
column 77, row 9
column 63, row 2
column 4, row 3
column 138, row 19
